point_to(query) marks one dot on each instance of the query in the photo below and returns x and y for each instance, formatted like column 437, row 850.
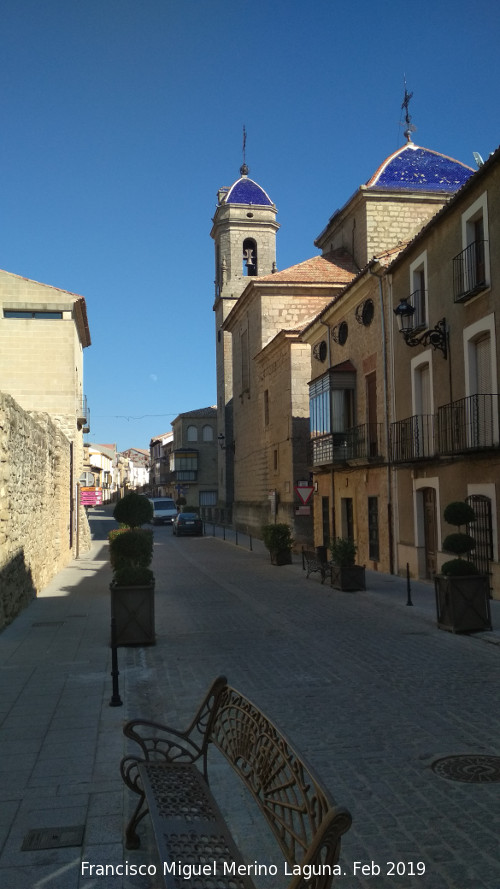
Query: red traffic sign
column 304, row 492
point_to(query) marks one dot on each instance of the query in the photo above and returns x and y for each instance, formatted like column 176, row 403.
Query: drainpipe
column 332, row 471
column 386, row 418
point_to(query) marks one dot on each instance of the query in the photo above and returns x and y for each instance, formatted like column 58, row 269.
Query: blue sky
column 120, row 119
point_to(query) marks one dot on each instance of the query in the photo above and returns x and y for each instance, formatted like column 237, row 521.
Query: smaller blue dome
column 415, row 168
column 246, row 191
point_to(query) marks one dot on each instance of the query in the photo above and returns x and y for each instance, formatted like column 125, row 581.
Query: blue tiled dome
column 246, row 191
column 415, row 168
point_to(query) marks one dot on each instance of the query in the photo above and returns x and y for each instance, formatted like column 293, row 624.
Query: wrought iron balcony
column 413, row 439
column 357, row 443
column 82, row 410
column 83, row 415
column 468, row 424
column 469, row 271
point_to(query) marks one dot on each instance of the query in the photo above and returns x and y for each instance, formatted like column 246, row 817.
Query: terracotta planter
column 463, row 603
column 133, row 609
column 348, row 577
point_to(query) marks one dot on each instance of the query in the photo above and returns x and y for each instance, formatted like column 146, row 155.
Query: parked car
column 164, row 510
column 187, row 523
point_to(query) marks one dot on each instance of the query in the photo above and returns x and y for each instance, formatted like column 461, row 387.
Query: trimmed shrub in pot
column 462, row 595
column 279, row 541
column 131, row 552
column 346, row 575
column 132, row 588
column 459, row 513
column 133, row 510
column 343, row 551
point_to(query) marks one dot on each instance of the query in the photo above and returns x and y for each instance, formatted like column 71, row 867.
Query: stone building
column 193, row 459
column 351, row 352
column 100, row 462
column 244, row 231
column 271, row 369
column 263, row 377
column 161, row 477
column 137, row 471
column 43, row 332
column 349, row 421
column 445, row 431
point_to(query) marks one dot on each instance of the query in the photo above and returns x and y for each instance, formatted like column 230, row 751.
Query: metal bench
column 170, row 776
column 313, row 561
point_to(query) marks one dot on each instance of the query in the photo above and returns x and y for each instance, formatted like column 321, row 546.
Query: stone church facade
column 263, row 369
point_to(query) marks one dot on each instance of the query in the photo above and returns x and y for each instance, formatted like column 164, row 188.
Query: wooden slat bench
column 170, row 776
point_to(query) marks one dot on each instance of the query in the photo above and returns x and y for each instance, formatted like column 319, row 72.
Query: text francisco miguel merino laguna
column 186, row 871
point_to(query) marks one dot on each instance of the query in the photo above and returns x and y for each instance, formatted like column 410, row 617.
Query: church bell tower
column 244, row 231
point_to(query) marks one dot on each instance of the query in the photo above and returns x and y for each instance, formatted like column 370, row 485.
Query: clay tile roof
column 336, row 267
column 347, row 366
column 201, row 412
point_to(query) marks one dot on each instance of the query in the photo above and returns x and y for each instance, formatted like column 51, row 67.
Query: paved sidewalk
column 365, row 685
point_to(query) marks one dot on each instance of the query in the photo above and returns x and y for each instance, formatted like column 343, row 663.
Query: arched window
column 207, row 433
column 249, row 257
column 192, row 433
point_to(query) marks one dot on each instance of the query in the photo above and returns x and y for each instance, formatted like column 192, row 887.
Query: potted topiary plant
column 462, row 594
column 132, row 587
column 346, row 575
column 278, row 540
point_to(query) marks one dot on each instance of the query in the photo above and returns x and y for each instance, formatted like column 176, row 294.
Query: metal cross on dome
column 406, row 104
column 244, row 168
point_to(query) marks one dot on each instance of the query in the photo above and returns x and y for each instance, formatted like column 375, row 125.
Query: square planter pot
column 133, row 609
column 463, row 603
column 281, row 557
column 348, row 578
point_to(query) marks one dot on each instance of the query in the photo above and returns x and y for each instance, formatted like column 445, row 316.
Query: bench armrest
column 162, row 742
column 167, row 744
column 324, row 849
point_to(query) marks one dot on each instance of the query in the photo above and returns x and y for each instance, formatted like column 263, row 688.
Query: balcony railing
column 357, row 443
column 468, row 424
column 83, row 415
column 82, row 410
column 469, row 271
column 413, row 438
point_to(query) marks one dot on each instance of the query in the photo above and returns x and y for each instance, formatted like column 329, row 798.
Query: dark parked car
column 187, row 523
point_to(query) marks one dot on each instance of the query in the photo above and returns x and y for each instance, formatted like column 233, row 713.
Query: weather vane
column 244, row 168
column 406, row 104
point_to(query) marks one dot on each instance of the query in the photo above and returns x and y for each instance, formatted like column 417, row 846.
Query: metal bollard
column 116, row 700
column 408, row 587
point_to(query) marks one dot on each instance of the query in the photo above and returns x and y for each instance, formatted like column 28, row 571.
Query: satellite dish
column 478, row 159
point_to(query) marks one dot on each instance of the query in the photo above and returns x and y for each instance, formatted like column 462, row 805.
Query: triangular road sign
column 304, row 492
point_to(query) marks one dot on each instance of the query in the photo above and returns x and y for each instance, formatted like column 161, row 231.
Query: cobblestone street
column 368, row 689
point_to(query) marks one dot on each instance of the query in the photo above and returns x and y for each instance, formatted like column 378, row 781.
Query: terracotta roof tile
column 336, row 267
column 201, row 412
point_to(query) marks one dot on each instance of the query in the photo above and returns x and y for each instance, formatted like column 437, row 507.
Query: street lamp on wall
column 437, row 336
column 221, row 438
